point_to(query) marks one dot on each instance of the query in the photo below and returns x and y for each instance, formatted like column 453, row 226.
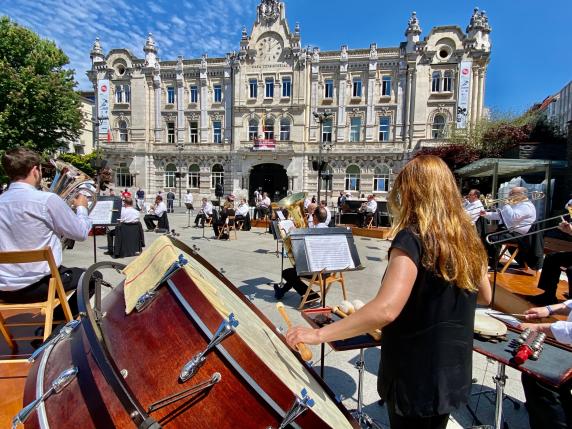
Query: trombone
column 559, row 217
column 489, row 201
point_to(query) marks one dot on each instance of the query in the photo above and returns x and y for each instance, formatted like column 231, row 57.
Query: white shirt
column 160, row 209
column 321, row 225
column 207, row 208
column 189, row 198
column 129, row 215
column 328, row 216
column 518, row 218
column 265, row 202
column 31, row 219
column 474, row 209
column 562, row 330
column 371, row 206
column 568, row 205
column 242, row 210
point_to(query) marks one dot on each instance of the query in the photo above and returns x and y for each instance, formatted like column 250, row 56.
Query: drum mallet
column 346, row 308
column 302, row 348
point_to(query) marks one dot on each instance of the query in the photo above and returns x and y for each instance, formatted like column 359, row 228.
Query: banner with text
column 464, row 91
column 103, row 106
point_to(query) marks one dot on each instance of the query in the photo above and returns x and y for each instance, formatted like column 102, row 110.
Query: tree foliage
column 38, row 105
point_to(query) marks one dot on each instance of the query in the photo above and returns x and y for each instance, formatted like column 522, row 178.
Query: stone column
column 474, row 96
column 411, row 126
column 157, row 94
column 407, row 102
column 341, row 119
column 481, row 99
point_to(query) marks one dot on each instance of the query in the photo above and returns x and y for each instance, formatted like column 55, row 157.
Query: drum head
column 489, row 326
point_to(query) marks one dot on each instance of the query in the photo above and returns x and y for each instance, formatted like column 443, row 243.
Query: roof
column 508, row 167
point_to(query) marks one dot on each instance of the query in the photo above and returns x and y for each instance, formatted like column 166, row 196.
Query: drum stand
column 188, row 219
column 281, row 284
column 363, row 419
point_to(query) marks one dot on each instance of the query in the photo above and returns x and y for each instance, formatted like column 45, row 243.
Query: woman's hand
column 299, row 334
column 536, row 327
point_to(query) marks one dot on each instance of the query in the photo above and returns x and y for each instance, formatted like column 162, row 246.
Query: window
column 122, row 94
column 327, row 130
column 170, row 132
column 438, row 129
column 327, row 179
column 269, row 88
column 355, row 127
column 253, row 88
column 356, row 88
column 170, row 173
column 436, row 82
column 217, row 93
column 123, row 177
column 284, row 129
column 119, row 94
column 194, row 131
column 268, row 129
column 253, row 129
column 194, row 94
column 217, row 131
column 194, row 176
column 384, row 122
column 381, row 179
column 386, row 86
column 127, row 93
column 217, row 176
column 170, row 95
column 123, row 132
column 448, row 81
column 329, row 89
column 286, row 87
column 352, row 178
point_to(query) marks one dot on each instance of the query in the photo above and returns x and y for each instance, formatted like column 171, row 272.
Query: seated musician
column 31, row 219
column 263, row 206
column 242, row 214
column 157, row 210
column 310, row 210
column 549, row 407
column 329, row 213
column 206, row 211
column 128, row 215
column 291, row 276
column 517, row 217
column 367, row 211
column 473, row 205
column 227, row 210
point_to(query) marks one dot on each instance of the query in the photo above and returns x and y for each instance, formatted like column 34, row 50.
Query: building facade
column 83, row 145
column 559, row 107
column 252, row 119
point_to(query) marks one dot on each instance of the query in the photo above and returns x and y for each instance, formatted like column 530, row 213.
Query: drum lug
column 64, row 333
column 225, row 329
column 300, row 406
column 59, row 384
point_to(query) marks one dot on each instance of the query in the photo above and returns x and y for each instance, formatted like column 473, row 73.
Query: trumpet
column 489, row 201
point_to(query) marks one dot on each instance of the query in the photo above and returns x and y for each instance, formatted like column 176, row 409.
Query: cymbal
column 291, row 199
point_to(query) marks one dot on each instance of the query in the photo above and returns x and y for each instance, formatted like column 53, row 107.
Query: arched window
column 194, row 176
column 327, row 175
column 123, row 177
column 217, row 175
column 253, row 129
column 284, row 129
column 381, row 179
column 170, row 171
column 123, row 133
column 352, row 178
column 269, row 129
column 438, row 128
column 448, row 81
column 436, row 81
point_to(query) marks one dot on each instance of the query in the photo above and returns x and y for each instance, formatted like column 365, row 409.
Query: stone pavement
column 251, row 263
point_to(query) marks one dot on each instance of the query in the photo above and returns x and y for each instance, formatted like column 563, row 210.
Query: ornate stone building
column 247, row 120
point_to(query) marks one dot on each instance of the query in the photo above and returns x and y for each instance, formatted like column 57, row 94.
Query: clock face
column 269, row 48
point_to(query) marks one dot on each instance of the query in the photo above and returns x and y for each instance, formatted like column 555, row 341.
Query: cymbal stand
column 363, row 419
column 188, row 219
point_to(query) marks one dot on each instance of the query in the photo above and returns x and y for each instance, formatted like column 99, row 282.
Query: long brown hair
column 426, row 199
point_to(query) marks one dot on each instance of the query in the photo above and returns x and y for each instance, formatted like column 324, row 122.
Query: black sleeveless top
column 426, row 352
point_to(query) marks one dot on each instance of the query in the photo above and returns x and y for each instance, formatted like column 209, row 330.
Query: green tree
column 38, row 105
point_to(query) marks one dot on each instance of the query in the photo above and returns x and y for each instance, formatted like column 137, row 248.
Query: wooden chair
column 370, row 224
column 56, row 293
column 323, row 285
column 228, row 226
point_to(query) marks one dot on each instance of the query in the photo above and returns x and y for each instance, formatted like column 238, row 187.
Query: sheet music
column 505, row 318
column 330, row 252
column 286, row 226
column 280, row 215
column 102, row 213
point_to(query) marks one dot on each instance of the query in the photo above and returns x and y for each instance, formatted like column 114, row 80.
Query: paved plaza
column 251, row 264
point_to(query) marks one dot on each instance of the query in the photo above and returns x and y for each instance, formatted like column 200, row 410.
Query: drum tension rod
column 168, row 400
column 64, row 332
column 225, row 329
column 300, row 406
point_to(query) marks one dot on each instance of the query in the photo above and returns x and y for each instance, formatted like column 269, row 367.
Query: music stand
column 189, row 210
column 106, row 212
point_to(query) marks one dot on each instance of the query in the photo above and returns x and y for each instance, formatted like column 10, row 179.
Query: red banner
column 264, row 144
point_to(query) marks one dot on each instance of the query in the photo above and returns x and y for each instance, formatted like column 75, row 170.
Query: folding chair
column 56, row 293
column 228, row 226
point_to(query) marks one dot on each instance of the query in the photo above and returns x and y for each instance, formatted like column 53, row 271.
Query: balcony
column 271, row 145
column 191, row 148
column 117, row 147
column 264, row 145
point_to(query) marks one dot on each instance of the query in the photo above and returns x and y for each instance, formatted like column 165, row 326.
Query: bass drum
column 129, row 366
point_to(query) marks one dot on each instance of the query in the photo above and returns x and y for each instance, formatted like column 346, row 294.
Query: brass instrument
column 294, row 204
column 489, row 201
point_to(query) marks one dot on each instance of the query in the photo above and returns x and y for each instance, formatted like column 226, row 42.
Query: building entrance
column 270, row 178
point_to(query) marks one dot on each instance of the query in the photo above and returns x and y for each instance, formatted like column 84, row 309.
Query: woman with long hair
column 436, row 274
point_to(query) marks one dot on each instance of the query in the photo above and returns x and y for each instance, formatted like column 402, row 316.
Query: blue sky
column 531, row 55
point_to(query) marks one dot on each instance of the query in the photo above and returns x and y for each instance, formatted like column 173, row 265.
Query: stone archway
column 271, row 178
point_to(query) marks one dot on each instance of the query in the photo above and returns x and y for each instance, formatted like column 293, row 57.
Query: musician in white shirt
column 263, row 206
column 32, row 219
column 205, row 212
column 242, row 214
column 473, row 205
column 128, row 215
column 367, row 211
column 157, row 212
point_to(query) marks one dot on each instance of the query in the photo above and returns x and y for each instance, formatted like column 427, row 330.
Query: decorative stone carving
column 96, row 53
column 413, row 24
column 244, row 34
column 373, row 52
column 269, row 10
column 344, row 53
column 316, row 55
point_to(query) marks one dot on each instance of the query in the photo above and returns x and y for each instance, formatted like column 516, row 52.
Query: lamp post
column 321, row 118
column 180, row 148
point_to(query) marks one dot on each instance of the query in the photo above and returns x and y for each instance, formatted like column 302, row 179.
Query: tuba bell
column 294, row 205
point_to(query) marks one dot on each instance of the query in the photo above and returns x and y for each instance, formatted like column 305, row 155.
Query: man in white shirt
column 205, row 211
column 328, row 213
column 263, row 206
column 242, row 214
column 368, row 211
column 473, row 205
column 158, row 210
column 128, row 215
column 189, row 200
column 32, row 219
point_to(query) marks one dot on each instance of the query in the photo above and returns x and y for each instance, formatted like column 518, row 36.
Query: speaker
column 219, row 192
column 315, row 165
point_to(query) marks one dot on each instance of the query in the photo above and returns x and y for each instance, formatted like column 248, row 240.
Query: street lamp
column 321, row 118
column 180, row 148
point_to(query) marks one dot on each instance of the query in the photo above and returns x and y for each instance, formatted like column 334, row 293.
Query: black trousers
column 110, row 236
column 148, row 219
column 293, row 281
column 363, row 218
column 547, row 407
column 170, row 206
column 200, row 217
column 550, row 274
column 494, row 249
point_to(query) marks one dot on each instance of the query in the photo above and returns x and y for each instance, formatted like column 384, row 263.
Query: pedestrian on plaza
column 111, row 192
column 426, row 301
column 125, row 194
column 189, row 200
column 140, row 194
column 170, row 201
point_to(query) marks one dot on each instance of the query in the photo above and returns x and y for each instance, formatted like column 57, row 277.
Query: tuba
column 69, row 181
column 294, row 204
